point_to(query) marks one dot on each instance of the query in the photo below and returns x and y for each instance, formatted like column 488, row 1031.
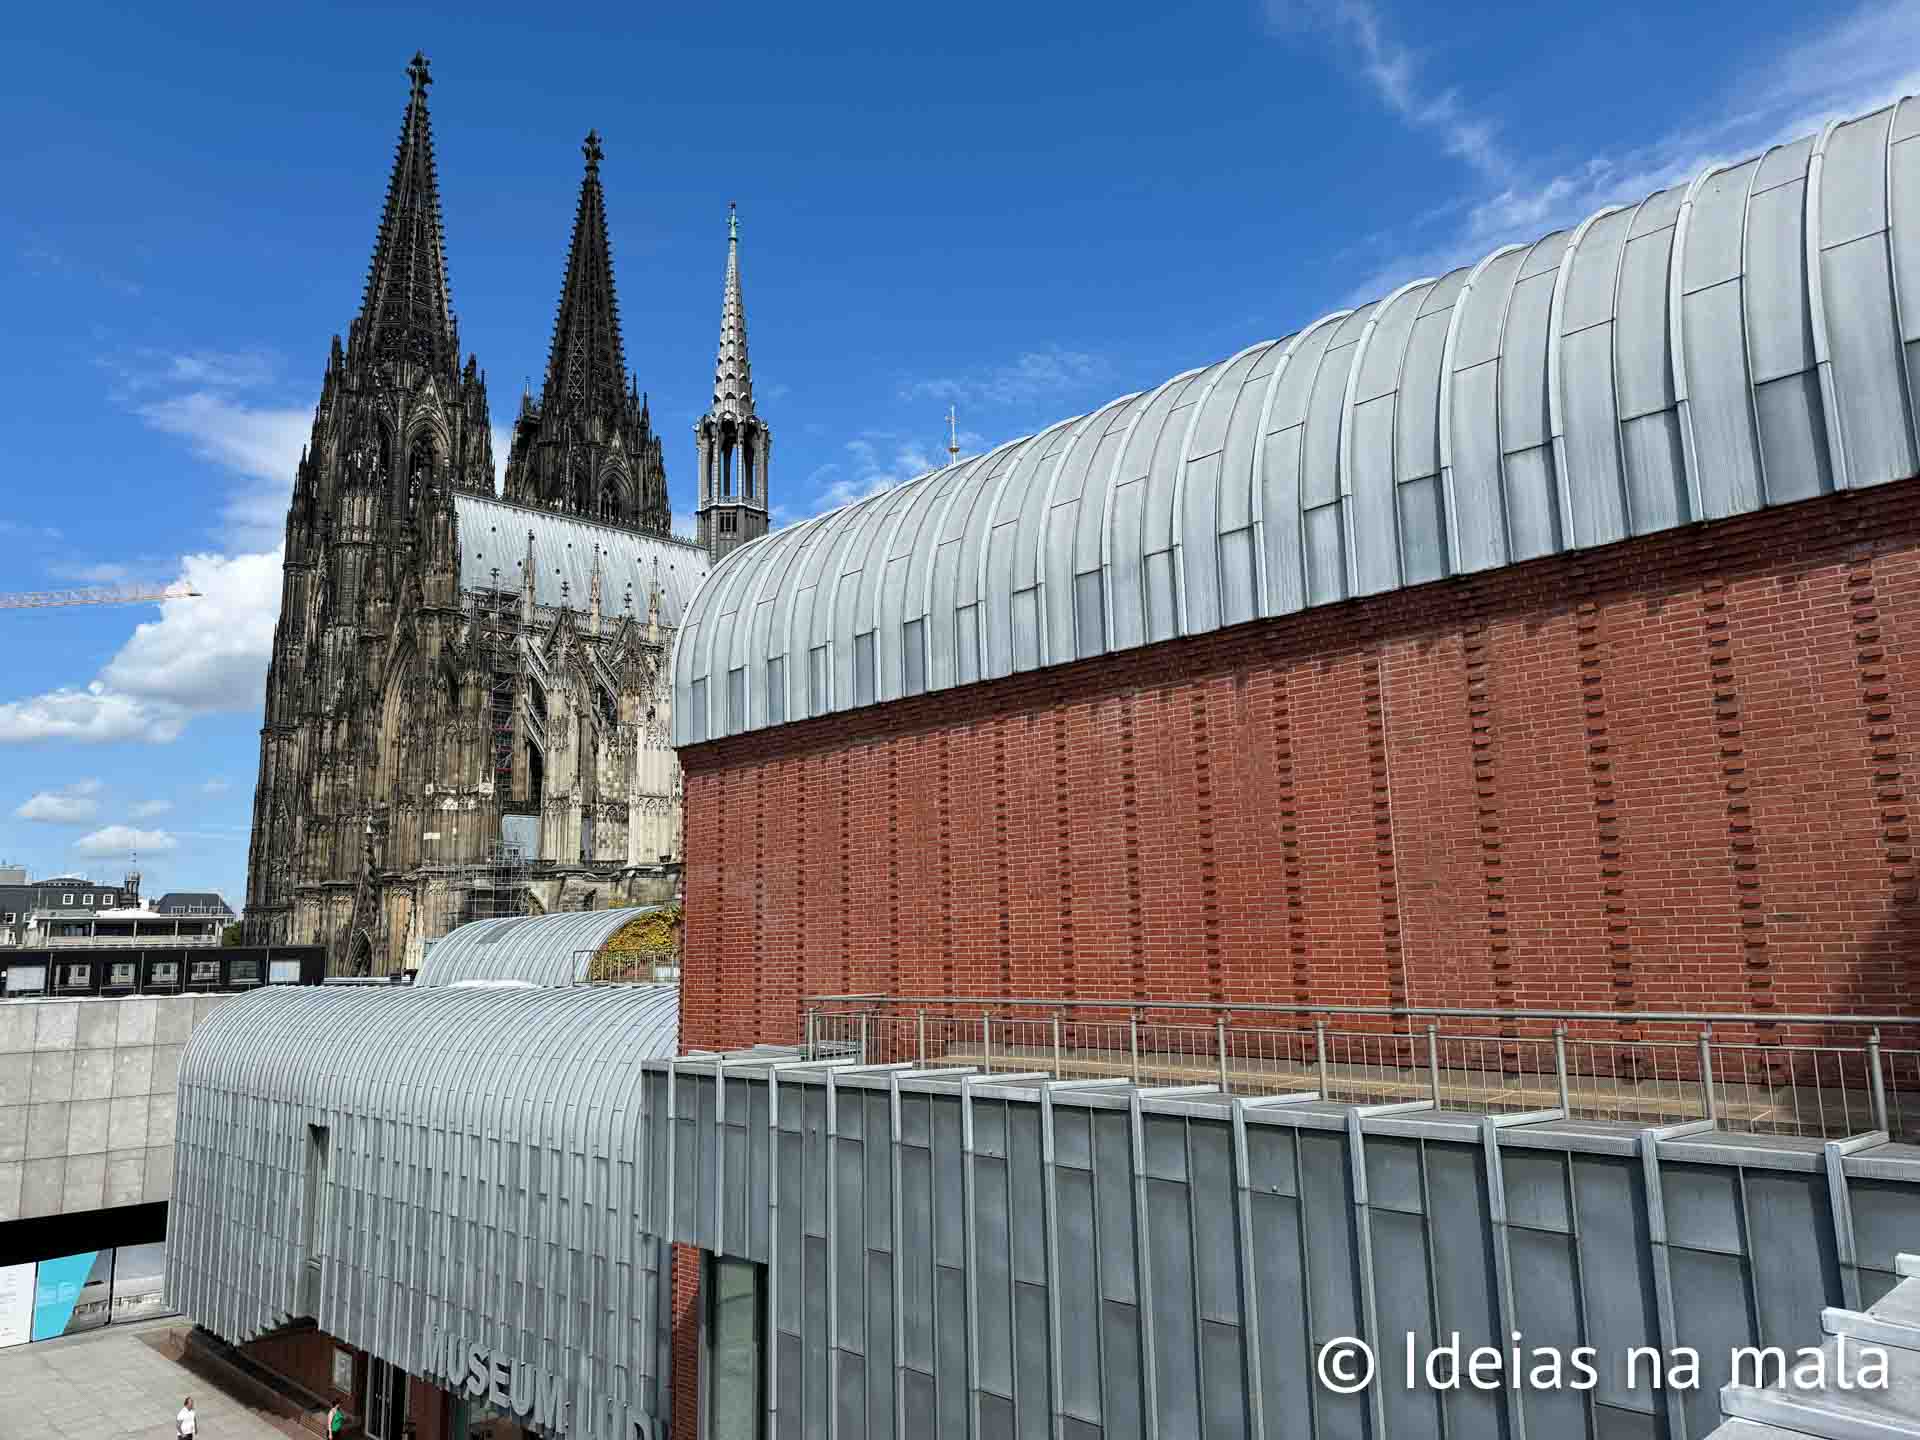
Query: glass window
column 735, row 1362
column 777, row 690
column 86, row 900
column 66, row 899
column 913, row 642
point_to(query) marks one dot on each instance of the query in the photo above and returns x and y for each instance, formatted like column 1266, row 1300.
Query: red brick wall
column 1670, row 773
column 306, row 1357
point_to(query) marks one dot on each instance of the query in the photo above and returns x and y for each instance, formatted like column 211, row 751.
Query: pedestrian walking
column 336, row 1421
column 186, row 1424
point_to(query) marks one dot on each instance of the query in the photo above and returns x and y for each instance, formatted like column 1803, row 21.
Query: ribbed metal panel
column 493, row 554
column 487, row 1174
column 986, row 1255
column 1741, row 341
column 539, row 949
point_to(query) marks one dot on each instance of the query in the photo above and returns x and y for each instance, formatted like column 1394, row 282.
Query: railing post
column 1877, row 1082
column 922, row 1027
column 864, row 1057
column 1320, row 1053
column 1133, row 1042
column 986, row 1042
column 1220, row 1048
column 812, row 1027
column 1706, row 1070
column 1056, row 1044
column 1433, row 1062
column 1560, row 1067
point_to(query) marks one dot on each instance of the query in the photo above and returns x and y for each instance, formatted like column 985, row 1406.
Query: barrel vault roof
column 1739, row 341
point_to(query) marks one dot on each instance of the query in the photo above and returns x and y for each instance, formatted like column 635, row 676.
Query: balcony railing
column 1807, row 1075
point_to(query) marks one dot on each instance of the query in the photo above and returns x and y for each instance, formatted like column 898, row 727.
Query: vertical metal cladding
column 1743, row 340
column 486, row 1176
column 544, row 950
column 993, row 1255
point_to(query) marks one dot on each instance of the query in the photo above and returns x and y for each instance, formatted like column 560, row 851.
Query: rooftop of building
column 1727, row 344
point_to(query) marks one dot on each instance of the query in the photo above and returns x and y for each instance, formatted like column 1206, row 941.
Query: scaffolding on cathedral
column 495, row 887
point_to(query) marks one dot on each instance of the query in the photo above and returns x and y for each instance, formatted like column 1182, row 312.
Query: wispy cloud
column 119, row 839
column 1394, row 72
column 45, row 260
column 1028, row 378
column 1845, row 66
column 66, row 806
column 147, row 809
column 216, row 786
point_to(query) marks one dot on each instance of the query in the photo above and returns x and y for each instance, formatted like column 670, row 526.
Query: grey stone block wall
column 87, row 1101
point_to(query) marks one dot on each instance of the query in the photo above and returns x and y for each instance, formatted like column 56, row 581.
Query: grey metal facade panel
column 485, row 1174
column 545, row 950
column 493, row 554
column 1735, row 342
column 1013, row 1258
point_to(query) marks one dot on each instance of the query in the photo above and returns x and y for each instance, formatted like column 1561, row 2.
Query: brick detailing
column 1130, row 820
column 1063, row 849
column 894, row 917
column 686, row 1343
column 1206, row 861
column 1590, row 646
column 1575, row 780
column 1477, row 639
column 1743, row 850
column 1002, row 857
column 759, row 886
column 1287, row 806
column 1884, row 755
column 1381, row 776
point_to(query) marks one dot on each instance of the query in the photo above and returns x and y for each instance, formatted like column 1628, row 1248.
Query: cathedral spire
column 406, row 312
column 734, row 442
column 587, row 363
column 733, row 372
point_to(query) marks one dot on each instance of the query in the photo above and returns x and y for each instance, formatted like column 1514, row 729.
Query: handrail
column 1617, row 1017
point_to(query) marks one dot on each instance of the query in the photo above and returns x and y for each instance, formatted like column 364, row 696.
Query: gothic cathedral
column 468, row 684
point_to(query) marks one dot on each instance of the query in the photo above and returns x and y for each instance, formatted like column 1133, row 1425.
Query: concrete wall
column 87, row 1100
column 1670, row 773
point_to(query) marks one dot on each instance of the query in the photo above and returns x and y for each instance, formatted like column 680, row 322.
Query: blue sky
column 1018, row 210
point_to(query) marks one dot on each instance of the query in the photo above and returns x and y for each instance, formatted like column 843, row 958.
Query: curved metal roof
column 411, row 1084
column 493, row 553
column 1737, row 342
column 540, row 949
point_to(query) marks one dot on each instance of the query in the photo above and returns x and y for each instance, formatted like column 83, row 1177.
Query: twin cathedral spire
column 586, row 445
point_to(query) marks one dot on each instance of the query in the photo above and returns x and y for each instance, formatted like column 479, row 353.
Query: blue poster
column 72, row 1293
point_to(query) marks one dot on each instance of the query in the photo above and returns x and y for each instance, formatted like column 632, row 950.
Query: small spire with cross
column 953, row 435
column 590, row 147
column 733, row 222
column 420, row 74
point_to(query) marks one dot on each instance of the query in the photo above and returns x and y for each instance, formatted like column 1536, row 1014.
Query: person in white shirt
column 184, row 1422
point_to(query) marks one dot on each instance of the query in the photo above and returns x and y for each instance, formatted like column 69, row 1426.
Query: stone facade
column 87, row 1100
column 455, row 672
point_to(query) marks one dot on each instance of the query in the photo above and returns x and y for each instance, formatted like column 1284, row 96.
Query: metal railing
column 1806, row 1075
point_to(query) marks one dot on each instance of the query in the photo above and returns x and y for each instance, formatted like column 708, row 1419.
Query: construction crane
column 108, row 595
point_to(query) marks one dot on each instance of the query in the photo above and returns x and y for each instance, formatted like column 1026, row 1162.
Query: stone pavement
column 112, row 1383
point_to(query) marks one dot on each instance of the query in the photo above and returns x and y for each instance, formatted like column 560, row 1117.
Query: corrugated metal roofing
column 541, row 949
column 1741, row 341
column 493, row 538
column 397, row 1162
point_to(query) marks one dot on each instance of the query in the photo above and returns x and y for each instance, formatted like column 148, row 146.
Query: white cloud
column 147, row 809
column 260, row 444
column 118, row 839
column 208, row 653
column 202, row 655
column 216, row 786
column 92, row 715
column 502, row 447
column 876, row 460
column 66, row 806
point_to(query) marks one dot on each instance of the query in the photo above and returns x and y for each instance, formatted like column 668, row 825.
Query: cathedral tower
column 733, row 441
column 588, row 447
column 370, row 552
